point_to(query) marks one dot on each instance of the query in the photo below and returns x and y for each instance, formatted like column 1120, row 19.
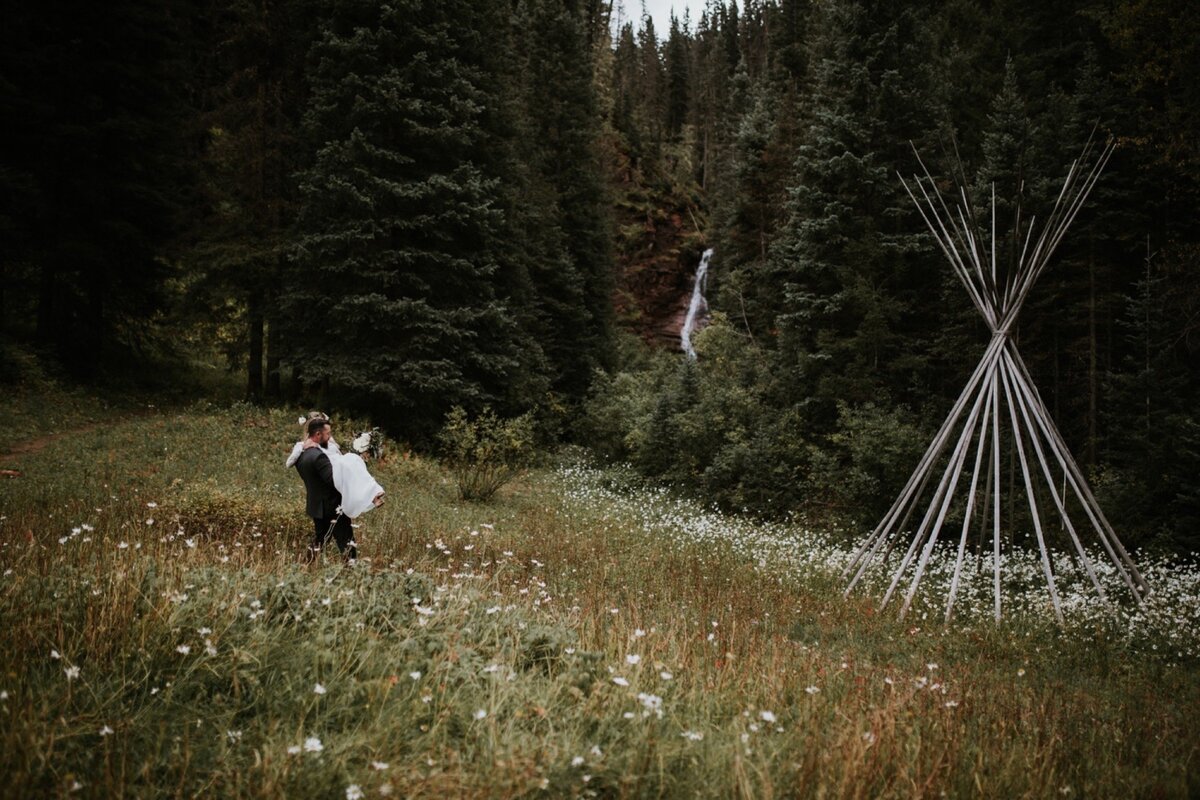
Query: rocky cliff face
column 660, row 243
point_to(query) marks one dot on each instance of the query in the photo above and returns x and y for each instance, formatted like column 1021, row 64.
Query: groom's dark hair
column 316, row 424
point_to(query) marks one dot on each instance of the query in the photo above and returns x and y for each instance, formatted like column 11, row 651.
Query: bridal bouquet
column 368, row 443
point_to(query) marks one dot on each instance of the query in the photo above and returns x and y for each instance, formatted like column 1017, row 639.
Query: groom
column 323, row 497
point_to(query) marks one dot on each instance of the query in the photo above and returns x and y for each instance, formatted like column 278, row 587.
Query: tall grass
column 568, row 639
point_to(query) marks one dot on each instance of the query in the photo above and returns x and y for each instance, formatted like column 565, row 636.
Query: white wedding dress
column 350, row 477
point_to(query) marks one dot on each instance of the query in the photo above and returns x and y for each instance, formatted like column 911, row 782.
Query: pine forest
column 746, row 262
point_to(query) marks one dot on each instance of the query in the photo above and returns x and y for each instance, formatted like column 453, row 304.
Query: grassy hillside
column 580, row 636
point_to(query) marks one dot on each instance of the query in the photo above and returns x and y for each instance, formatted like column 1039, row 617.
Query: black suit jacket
column 323, row 498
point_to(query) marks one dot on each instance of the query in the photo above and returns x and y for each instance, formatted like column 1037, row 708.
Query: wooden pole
column 983, row 508
column 1059, row 501
column 996, row 496
column 947, row 475
column 962, row 542
column 957, row 467
column 1108, row 537
column 1047, row 570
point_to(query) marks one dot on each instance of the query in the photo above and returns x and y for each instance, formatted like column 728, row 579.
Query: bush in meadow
column 486, row 452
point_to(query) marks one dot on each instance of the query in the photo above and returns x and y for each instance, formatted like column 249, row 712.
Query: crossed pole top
column 999, row 294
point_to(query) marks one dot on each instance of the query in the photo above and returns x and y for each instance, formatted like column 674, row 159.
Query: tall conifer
column 393, row 294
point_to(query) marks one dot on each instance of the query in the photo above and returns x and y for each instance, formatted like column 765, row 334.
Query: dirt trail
column 33, row 446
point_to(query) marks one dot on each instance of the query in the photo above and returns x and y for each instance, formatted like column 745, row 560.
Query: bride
column 360, row 492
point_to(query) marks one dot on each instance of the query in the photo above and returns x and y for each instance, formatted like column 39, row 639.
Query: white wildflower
column 652, row 703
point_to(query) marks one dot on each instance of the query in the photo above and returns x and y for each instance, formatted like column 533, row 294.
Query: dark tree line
column 397, row 207
column 409, row 206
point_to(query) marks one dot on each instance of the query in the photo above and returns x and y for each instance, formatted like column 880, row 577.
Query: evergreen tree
column 747, row 223
column 677, row 58
column 573, row 287
column 846, row 283
column 96, row 108
column 252, row 118
column 392, row 297
column 651, row 87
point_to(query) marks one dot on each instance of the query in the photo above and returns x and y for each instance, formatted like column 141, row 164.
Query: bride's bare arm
column 295, row 454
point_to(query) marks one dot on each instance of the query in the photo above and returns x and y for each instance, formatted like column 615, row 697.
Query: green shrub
column 863, row 464
column 486, row 452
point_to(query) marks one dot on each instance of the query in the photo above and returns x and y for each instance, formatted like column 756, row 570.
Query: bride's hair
column 313, row 415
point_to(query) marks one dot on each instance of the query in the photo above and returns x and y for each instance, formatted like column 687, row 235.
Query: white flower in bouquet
column 362, row 442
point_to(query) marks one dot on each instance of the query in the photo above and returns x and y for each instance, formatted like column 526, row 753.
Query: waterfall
column 697, row 304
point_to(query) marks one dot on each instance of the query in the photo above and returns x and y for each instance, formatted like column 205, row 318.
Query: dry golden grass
column 783, row 688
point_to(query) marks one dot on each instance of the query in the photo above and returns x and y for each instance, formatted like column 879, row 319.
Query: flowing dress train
column 354, row 482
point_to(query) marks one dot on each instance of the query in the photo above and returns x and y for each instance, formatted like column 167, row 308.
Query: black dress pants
column 343, row 534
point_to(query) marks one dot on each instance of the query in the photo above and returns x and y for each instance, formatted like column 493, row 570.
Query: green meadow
column 581, row 635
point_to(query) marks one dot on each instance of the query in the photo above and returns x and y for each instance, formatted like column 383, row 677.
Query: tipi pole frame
column 1001, row 378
